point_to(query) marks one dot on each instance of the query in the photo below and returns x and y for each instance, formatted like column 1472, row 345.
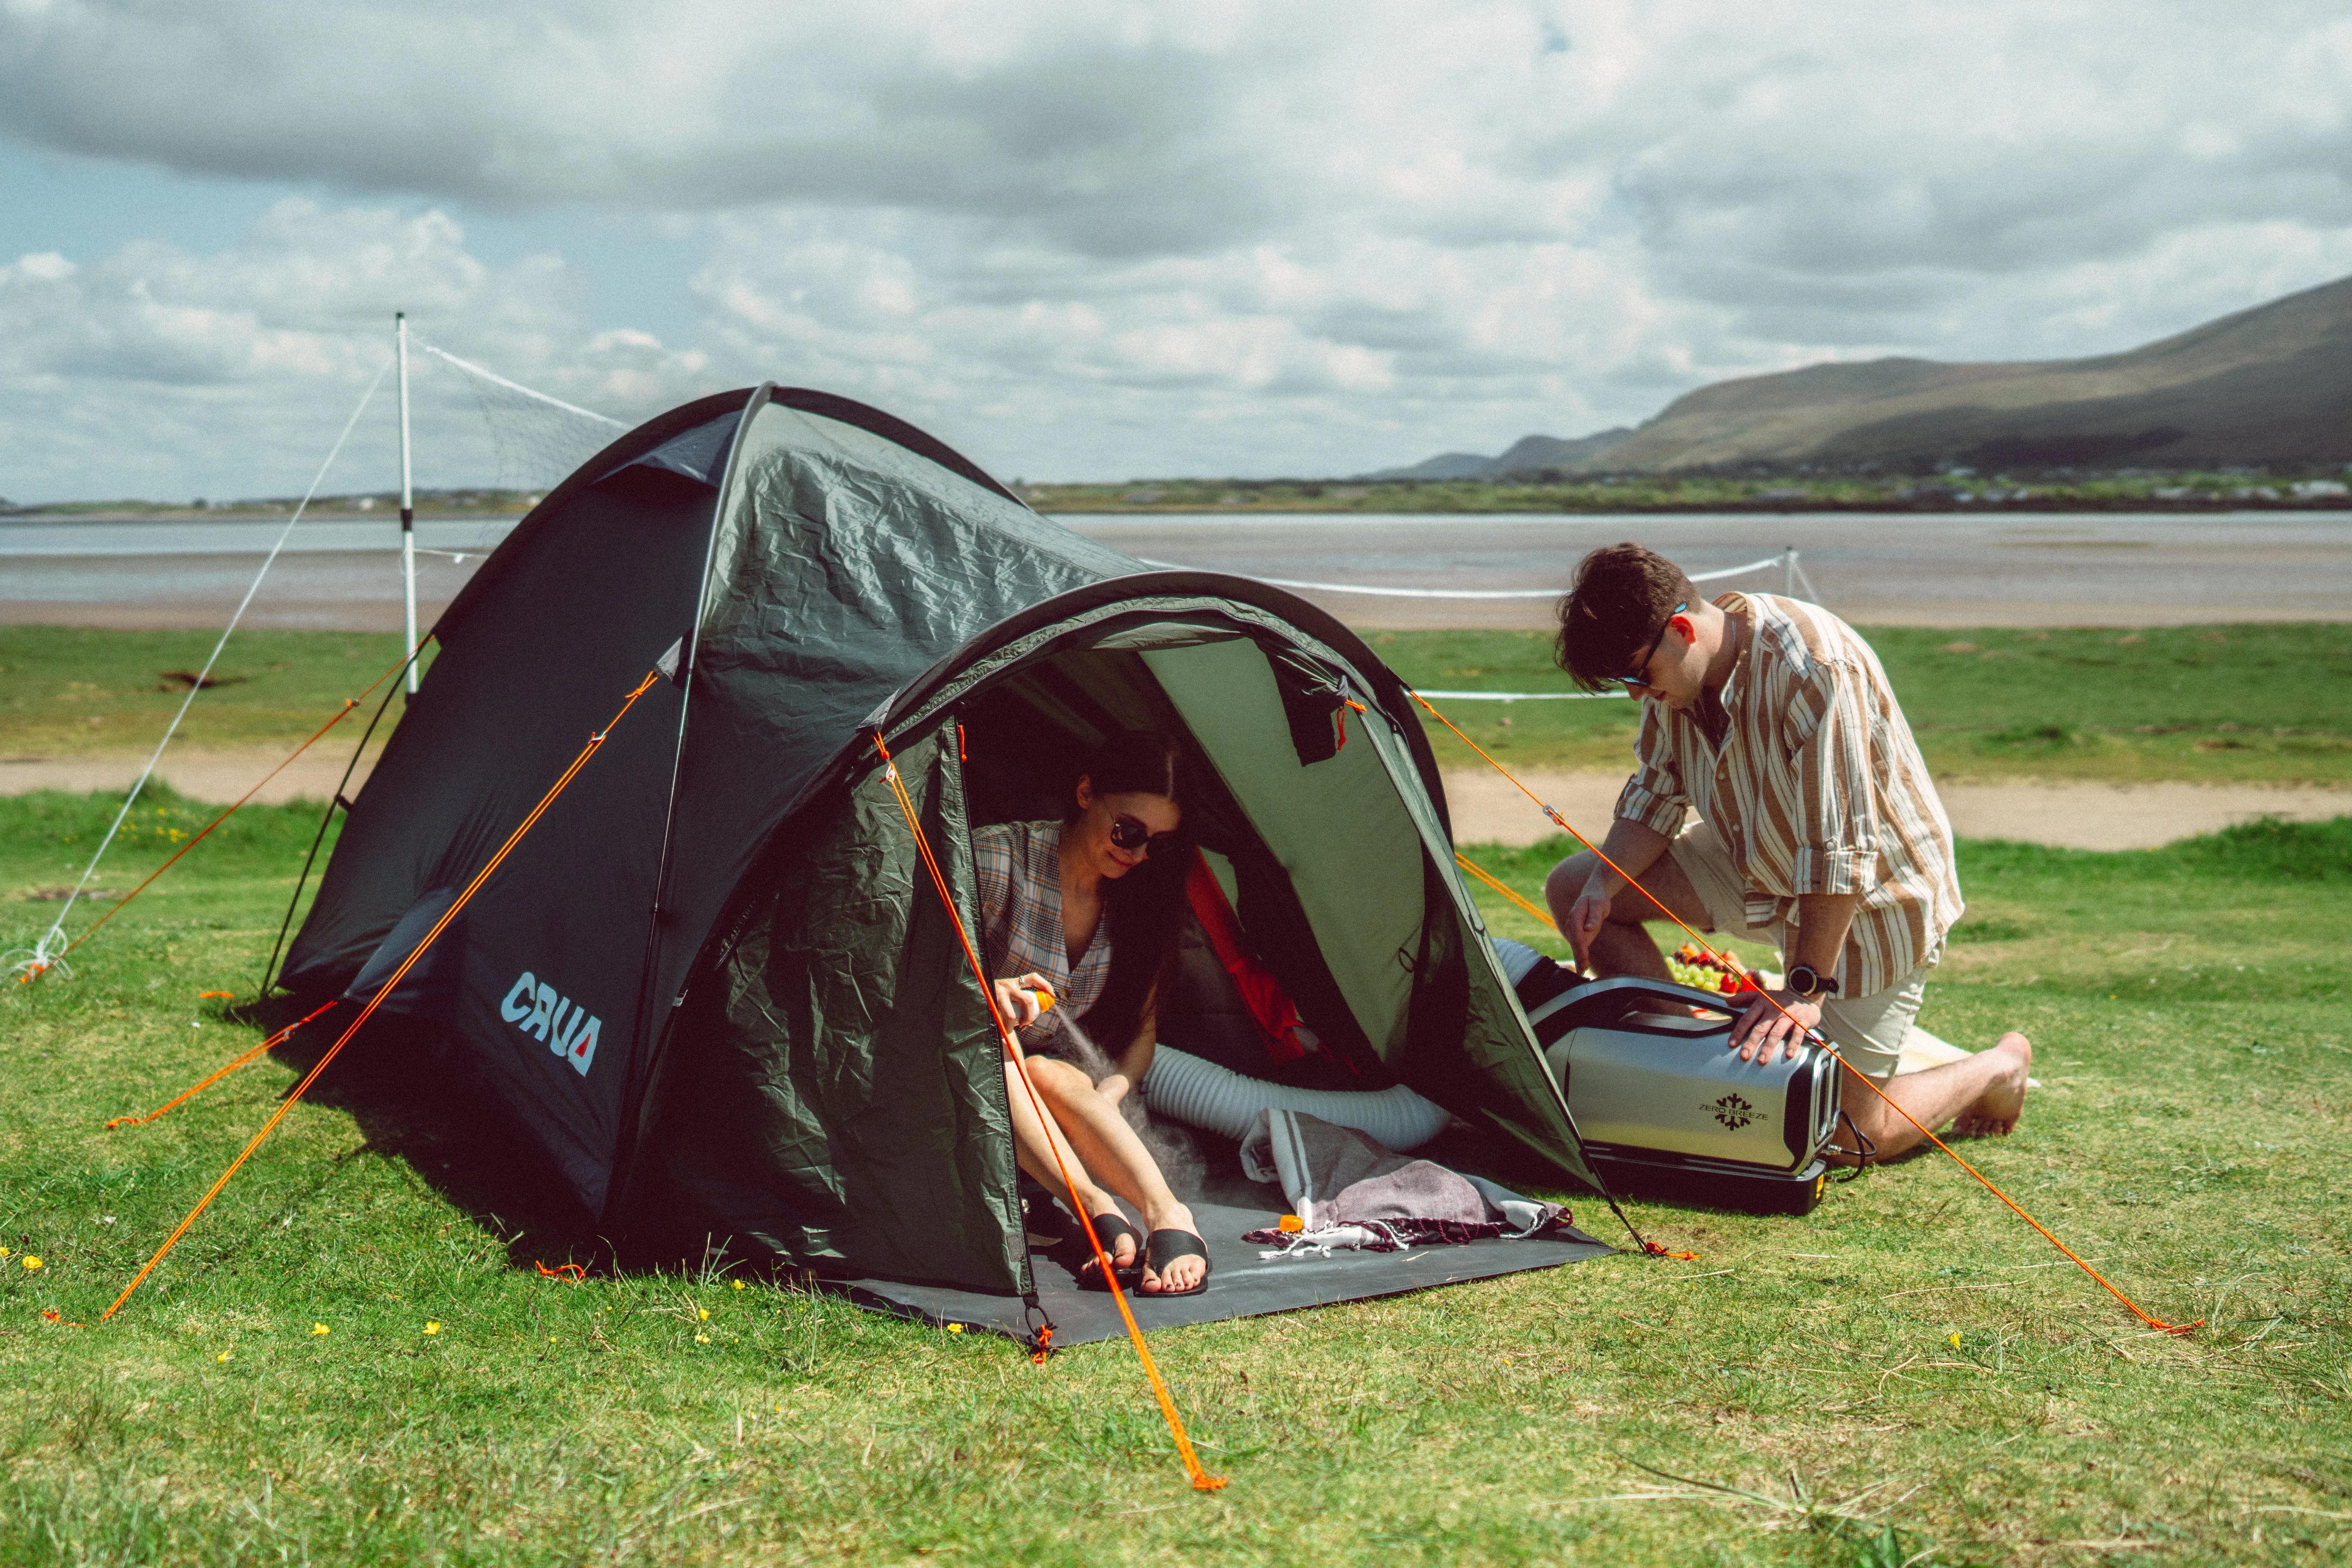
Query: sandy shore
column 215, row 777
column 1486, row 808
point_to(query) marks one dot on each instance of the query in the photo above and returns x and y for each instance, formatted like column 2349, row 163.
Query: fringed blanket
column 1349, row 1191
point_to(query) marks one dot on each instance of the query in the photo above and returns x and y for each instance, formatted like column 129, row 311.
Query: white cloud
column 1096, row 238
column 154, row 370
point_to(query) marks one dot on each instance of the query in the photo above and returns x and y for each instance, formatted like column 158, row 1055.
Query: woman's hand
column 1018, row 1000
column 1114, row 1088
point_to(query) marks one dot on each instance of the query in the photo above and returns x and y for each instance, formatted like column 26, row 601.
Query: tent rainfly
column 715, row 986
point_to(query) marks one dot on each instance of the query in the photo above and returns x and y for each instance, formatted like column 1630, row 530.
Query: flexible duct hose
column 1185, row 1088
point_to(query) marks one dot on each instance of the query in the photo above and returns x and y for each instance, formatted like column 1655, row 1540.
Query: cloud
column 1106, row 238
column 154, row 370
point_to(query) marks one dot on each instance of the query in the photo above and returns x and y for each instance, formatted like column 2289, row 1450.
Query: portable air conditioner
column 1668, row 1110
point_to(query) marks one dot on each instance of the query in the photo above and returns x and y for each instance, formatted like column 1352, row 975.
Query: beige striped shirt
column 1818, row 788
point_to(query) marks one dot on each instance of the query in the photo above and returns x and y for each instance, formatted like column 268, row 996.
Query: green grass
column 2214, row 704
column 2251, row 704
column 76, row 690
column 1908, row 1369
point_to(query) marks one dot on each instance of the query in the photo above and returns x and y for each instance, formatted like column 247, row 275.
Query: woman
column 1088, row 910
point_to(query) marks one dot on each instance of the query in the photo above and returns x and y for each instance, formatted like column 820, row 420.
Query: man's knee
column 1566, row 880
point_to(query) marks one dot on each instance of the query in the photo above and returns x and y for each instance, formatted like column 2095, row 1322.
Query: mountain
column 1527, row 454
column 2268, row 386
column 1444, row 466
column 1532, row 452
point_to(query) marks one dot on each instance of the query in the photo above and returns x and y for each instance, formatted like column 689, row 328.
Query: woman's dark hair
column 1623, row 597
column 1145, row 907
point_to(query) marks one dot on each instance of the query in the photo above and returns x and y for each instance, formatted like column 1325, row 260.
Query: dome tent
column 714, row 985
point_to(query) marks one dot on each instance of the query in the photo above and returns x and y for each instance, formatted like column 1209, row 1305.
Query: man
column 1818, row 830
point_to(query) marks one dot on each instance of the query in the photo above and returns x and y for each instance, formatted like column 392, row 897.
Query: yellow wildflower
column 31, row 1262
column 702, row 1314
column 432, row 1327
column 320, row 1329
column 702, row 1339
column 955, row 1328
column 738, row 1284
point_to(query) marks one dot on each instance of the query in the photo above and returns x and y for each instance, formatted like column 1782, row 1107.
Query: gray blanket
column 1346, row 1190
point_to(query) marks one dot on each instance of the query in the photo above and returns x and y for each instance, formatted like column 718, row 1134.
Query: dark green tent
column 714, row 985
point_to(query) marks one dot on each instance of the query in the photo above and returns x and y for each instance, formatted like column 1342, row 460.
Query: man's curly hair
column 1622, row 598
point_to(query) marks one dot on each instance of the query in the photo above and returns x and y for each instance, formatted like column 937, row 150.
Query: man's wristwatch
column 1808, row 982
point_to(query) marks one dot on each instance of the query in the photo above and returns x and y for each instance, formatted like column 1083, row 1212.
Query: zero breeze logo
column 538, row 1010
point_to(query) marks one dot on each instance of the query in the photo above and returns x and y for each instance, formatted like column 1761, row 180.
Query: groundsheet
column 1241, row 1283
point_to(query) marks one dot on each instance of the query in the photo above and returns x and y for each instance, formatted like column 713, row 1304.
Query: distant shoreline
column 2037, row 507
column 1391, row 505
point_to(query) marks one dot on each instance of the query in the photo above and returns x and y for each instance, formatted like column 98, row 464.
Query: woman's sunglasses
column 1130, row 835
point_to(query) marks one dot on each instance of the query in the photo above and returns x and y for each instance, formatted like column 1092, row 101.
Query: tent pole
column 651, row 1018
column 407, row 506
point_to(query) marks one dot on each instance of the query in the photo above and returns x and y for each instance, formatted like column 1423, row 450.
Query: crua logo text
column 535, row 1007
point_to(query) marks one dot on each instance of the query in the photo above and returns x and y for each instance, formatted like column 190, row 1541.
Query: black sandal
column 1159, row 1254
column 1109, row 1228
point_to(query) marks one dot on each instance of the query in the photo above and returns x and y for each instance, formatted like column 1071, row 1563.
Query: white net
column 525, row 442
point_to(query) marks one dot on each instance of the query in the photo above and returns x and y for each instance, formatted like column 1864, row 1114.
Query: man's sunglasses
column 1640, row 678
column 1130, row 835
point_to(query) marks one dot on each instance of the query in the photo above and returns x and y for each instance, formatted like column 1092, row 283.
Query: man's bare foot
column 1997, row 1112
column 1183, row 1274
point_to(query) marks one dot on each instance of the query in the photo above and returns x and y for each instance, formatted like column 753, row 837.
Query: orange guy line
column 1202, row 1480
column 349, row 703
column 595, row 742
column 1634, row 883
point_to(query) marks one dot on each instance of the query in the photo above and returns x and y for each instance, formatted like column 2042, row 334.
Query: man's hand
column 1585, row 919
column 1765, row 1033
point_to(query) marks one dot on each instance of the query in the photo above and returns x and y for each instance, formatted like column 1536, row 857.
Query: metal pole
column 1788, row 559
column 407, row 506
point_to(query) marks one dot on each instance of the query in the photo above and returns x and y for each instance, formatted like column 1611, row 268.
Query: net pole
column 408, row 506
column 1788, row 578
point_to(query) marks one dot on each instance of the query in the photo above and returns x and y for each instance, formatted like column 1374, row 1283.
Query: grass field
column 74, row 690
column 353, row 1357
column 2203, row 703
column 2214, row 703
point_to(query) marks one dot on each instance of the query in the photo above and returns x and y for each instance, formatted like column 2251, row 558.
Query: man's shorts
column 1868, row 1031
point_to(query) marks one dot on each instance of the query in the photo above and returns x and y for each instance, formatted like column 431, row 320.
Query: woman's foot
column 1118, row 1238
column 1997, row 1112
column 1183, row 1274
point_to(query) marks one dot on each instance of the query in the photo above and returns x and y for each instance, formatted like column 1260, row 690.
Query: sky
column 1102, row 241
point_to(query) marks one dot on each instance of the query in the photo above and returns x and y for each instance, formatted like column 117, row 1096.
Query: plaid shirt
column 1018, row 866
column 1817, row 788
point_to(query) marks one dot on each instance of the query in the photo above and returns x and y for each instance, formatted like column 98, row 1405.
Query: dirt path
column 1486, row 809
column 218, row 776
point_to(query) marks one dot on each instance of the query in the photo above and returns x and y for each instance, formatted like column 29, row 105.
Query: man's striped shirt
column 1817, row 788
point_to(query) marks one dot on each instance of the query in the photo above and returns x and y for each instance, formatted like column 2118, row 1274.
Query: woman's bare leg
column 1034, row 1145
column 1108, row 1145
